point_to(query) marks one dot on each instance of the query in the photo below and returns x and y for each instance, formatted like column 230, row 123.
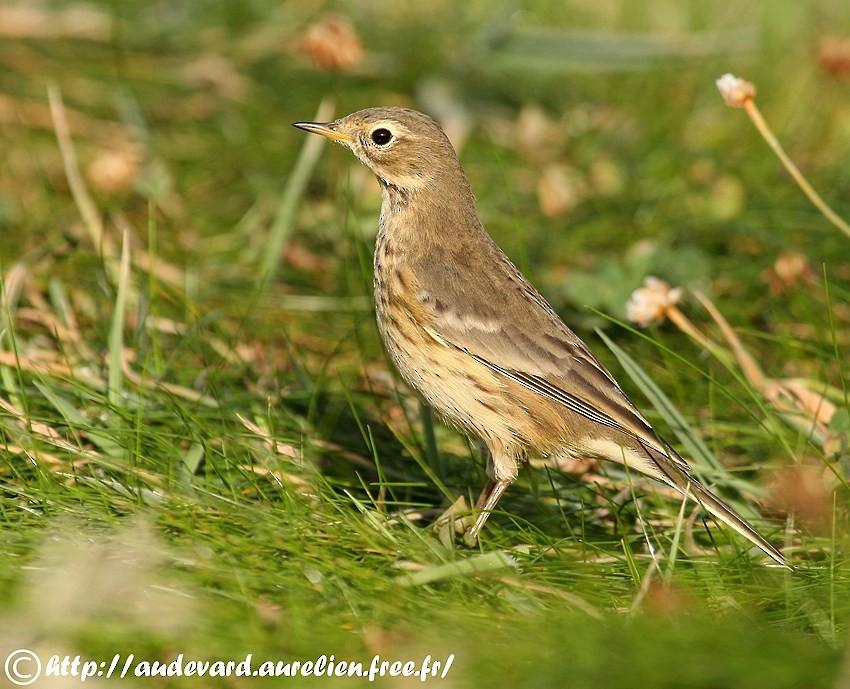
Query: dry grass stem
column 85, row 204
column 798, row 403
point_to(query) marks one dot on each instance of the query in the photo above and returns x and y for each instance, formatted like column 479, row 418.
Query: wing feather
column 525, row 341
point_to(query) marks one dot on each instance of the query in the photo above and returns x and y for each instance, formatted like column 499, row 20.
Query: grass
column 196, row 458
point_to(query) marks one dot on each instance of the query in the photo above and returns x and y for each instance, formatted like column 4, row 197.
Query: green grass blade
column 116, row 331
column 281, row 226
column 703, row 462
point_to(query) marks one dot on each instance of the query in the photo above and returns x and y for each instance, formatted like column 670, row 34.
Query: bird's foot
column 453, row 524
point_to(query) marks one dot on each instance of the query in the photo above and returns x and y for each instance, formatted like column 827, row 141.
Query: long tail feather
column 689, row 486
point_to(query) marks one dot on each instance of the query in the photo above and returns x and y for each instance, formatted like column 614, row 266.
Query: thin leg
column 485, row 504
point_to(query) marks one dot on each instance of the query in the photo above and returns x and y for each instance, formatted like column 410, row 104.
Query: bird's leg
column 485, row 504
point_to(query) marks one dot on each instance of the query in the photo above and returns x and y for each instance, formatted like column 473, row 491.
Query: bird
column 476, row 340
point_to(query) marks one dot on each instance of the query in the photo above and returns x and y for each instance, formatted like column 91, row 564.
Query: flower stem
column 755, row 115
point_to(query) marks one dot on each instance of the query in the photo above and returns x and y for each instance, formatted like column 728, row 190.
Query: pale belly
column 466, row 394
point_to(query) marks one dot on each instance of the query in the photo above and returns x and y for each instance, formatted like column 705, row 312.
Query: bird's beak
column 326, row 129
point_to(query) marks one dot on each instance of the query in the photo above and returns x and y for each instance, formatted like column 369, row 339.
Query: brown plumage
column 475, row 339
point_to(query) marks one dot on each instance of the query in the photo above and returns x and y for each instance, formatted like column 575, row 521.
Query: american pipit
column 475, row 339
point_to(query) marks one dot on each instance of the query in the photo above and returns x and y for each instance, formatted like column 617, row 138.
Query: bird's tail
column 689, row 486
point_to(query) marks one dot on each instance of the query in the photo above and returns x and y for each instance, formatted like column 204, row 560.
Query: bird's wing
column 506, row 325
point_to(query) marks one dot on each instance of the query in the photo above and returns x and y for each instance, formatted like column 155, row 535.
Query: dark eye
column 382, row 136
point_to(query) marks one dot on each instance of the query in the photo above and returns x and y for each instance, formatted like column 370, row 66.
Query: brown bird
column 475, row 339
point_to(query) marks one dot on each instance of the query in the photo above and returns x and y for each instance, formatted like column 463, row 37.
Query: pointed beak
column 326, row 129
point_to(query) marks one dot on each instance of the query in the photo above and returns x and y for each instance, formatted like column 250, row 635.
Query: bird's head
column 404, row 148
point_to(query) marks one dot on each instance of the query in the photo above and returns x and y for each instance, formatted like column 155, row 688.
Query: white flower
column 735, row 91
column 651, row 302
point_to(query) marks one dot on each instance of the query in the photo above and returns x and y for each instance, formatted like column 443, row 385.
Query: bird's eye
column 382, row 136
